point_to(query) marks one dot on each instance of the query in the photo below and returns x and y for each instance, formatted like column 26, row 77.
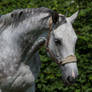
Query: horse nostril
column 70, row 79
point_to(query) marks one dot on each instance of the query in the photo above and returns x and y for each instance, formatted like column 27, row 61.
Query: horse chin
column 66, row 82
column 69, row 73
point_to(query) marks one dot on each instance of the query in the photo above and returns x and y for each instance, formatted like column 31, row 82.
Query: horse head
column 61, row 46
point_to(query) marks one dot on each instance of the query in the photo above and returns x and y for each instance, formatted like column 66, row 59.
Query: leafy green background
column 49, row 79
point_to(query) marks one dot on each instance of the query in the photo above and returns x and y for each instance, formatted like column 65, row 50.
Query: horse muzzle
column 69, row 69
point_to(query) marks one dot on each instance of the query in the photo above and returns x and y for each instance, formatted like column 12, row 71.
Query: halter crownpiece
column 68, row 59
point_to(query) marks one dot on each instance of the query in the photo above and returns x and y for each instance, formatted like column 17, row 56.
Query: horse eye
column 57, row 42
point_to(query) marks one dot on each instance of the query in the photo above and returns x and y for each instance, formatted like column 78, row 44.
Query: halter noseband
column 68, row 59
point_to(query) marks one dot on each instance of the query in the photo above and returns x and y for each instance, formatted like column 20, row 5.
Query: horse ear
column 73, row 17
column 55, row 17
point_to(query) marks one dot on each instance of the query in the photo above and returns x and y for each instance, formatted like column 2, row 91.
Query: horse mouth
column 69, row 81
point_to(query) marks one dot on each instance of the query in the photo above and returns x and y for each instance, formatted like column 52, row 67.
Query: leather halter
column 68, row 59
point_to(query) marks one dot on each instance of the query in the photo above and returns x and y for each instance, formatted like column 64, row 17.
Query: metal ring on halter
column 68, row 59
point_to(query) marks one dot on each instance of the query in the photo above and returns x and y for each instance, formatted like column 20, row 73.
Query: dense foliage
column 49, row 79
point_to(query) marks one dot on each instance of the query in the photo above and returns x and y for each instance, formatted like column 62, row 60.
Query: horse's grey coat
column 19, row 31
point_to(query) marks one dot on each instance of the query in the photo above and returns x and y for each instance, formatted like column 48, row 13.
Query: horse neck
column 32, row 31
column 25, row 33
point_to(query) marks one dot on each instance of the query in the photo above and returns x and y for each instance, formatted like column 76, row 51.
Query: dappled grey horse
column 22, row 33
